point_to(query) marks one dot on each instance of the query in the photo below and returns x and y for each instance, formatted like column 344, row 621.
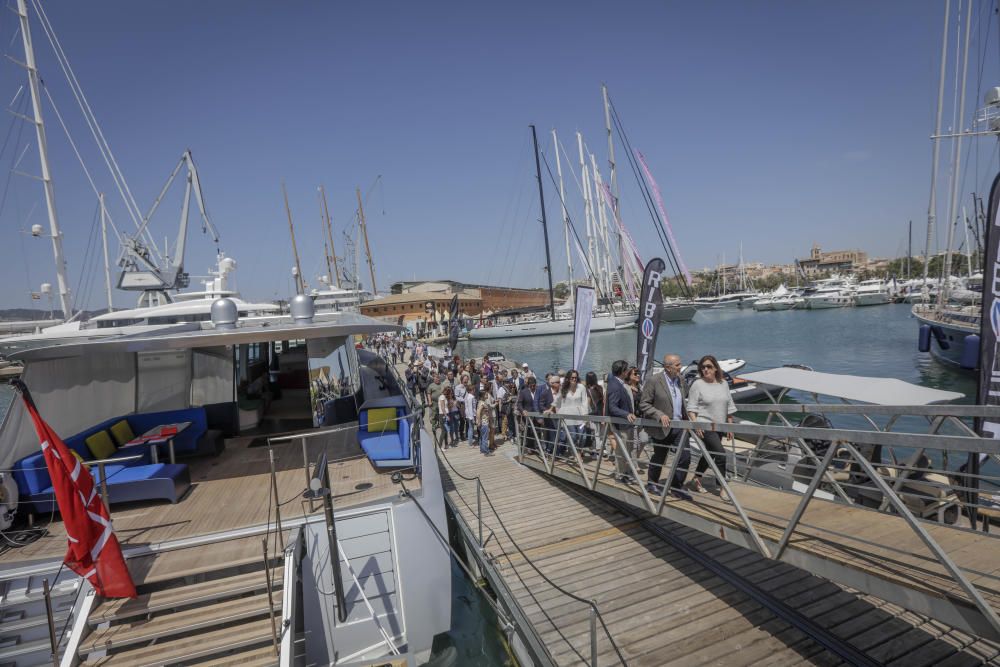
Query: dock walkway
column 667, row 593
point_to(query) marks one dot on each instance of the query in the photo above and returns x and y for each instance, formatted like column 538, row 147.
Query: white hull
column 821, row 302
column 677, row 313
column 542, row 328
column 871, row 299
column 763, row 305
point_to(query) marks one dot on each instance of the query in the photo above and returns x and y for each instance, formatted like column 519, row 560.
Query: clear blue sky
column 778, row 124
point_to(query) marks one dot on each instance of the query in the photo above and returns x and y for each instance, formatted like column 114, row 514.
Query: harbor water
column 878, row 341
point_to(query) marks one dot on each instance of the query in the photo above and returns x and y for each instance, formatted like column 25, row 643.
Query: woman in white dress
column 571, row 400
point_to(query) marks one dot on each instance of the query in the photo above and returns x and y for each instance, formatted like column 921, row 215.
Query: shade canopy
column 855, row 388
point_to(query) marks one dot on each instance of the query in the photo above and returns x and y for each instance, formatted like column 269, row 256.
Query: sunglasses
column 708, row 367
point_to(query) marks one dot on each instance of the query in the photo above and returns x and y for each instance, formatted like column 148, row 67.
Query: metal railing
column 595, row 612
column 844, row 464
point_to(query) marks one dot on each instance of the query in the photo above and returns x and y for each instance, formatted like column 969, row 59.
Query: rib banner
column 650, row 309
column 583, row 302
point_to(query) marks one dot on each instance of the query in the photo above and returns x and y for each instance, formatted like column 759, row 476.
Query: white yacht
column 873, row 292
column 314, row 535
column 833, row 292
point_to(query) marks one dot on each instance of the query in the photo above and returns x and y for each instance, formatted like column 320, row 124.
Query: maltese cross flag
column 93, row 551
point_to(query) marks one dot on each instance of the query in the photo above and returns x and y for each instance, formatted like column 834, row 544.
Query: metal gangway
column 876, row 497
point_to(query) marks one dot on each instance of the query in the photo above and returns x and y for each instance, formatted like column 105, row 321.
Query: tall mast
column 565, row 213
column 65, row 300
column 602, row 219
column 329, row 237
column 611, row 149
column 909, row 249
column 300, row 284
column 104, row 242
column 593, row 257
column 364, row 233
column 545, row 226
column 957, row 163
column 936, row 141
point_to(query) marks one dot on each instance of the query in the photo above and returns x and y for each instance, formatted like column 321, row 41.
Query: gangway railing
column 826, row 467
column 596, row 618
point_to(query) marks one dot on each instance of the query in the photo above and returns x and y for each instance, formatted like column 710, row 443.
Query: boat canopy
column 346, row 325
column 877, row 391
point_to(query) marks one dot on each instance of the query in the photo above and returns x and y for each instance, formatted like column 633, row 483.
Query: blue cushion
column 384, row 446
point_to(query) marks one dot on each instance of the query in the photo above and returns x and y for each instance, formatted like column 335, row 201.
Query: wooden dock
column 669, row 594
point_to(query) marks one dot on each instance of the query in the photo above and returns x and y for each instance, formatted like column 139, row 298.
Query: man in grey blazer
column 663, row 399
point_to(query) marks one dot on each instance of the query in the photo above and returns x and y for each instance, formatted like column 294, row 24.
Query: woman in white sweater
column 571, row 400
column 709, row 400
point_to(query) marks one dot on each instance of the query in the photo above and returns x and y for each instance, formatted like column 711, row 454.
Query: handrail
column 949, row 409
column 595, row 611
column 842, row 450
column 289, row 601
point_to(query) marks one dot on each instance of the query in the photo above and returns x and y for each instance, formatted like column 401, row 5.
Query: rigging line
column 648, row 199
column 79, row 158
column 506, row 212
column 86, row 255
column 91, row 120
column 576, row 236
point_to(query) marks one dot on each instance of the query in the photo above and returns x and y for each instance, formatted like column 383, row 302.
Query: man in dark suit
column 535, row 398
column 620, row 404
column 664, row 399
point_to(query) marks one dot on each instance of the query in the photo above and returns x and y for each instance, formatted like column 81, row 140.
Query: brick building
column 415, row 301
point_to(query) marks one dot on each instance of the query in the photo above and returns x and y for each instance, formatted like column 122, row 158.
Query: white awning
column 857, row 388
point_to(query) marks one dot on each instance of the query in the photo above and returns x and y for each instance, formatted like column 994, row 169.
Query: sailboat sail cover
column 650, row 308
column 93, row 551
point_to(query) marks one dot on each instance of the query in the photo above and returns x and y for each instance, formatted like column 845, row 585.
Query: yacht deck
column 233, row 491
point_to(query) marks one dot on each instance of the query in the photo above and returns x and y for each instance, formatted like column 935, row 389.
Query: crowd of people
column 482, row 402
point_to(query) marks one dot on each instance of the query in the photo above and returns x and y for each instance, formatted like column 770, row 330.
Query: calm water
column 878, row 341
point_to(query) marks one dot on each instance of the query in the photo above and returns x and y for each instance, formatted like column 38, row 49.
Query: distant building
column 423, row 302
column 833, row 261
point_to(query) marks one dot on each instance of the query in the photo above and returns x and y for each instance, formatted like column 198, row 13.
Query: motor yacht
column 293, row 513
column 833, row 292
column 873, row 292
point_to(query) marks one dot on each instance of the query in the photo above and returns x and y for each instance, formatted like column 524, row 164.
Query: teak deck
column 232, row 491
column 661, row 605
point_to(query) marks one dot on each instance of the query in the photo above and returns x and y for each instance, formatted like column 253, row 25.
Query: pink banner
column 666, row 222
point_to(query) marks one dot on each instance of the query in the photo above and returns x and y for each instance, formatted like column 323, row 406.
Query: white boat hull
column 871, row 299
column 819, row 303
column 542, row 328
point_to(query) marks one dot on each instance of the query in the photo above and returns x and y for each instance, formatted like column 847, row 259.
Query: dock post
column 593, row 634
column 479, row 509
column 47, row 592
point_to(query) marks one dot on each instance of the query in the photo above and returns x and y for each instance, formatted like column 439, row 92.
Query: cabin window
column 334, row 380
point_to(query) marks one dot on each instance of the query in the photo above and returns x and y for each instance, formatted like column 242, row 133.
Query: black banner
column 453, row 323
column 989, row 325
column 650, row 309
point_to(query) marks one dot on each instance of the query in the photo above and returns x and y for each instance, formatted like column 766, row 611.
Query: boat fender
column 939, row 336
column 970, row 352
column 924, row 340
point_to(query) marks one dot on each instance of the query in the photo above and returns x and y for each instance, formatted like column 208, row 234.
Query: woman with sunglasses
column 709, row 400
column 571, row 400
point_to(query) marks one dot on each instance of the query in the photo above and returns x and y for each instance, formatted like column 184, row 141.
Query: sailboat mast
column 65, row 300
column 300, row 285
column 104, row 242
column 909, row 249
column 956, row 165
column 593, row 258
column 602, row 219
column 545, row 225
column 329, row 237
column 611, row 149
column 364, row 234
column 565, row 213
column 932, row 205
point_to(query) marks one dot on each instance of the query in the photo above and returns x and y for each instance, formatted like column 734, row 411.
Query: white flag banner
column 583, row 302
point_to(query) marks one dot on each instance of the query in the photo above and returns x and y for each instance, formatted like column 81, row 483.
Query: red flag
column 93, row 551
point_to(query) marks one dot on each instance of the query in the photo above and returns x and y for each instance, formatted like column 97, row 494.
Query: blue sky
column 774, row 124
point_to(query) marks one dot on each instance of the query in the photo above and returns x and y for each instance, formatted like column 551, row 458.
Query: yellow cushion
column 122, row 433
column 76, row 455
column 100, row 445
column 381, row 420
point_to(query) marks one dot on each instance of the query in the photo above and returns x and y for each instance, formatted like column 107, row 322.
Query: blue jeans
column 484, row 439
column 453, row 425
column 471, row 430
column 579, row 437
